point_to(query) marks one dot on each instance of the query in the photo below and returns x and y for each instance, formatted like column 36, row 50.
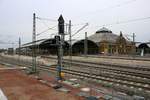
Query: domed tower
column 105, row 39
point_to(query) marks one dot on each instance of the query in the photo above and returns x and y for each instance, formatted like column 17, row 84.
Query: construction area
column 16, row 85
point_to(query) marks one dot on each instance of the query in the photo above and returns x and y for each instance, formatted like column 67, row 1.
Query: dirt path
column 18, row 86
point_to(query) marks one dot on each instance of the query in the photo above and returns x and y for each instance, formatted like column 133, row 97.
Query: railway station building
column 104, row 41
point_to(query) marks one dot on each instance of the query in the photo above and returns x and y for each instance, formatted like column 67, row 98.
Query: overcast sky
column 16, row 17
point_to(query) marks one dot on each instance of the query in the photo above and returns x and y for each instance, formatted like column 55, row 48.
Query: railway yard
column 110, row 78
column 94, row 50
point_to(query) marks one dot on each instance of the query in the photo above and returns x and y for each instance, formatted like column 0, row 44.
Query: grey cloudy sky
column 16, row 17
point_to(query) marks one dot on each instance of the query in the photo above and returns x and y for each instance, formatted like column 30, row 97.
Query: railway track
column 126, row 75
column 139, row 72
column 138, row 58
column 126, row 71
column 143, row 68
column 117, row 77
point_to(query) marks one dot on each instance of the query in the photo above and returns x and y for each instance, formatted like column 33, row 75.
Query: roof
column 103, row 30
column 38, row 42
column 103, row 35
column 147, row 42
column 137, row 44
column 42, row 42
column 73, row 41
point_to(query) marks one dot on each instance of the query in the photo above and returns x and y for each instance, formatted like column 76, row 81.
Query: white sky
column 16, row 17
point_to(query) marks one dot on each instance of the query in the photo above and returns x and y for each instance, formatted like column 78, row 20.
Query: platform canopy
column 43, row 43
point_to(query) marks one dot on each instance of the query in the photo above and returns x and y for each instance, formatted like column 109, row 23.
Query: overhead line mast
column 34, row 43
column 70, row 40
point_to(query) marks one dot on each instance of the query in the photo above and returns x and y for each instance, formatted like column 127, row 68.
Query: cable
column 46, row 19
column 80, row 29
column 53, row 34
column 50, row 28
column 52, row 20
column 44, row 23
column 109, row 7
column 7, row 43
column 121, row 4
column 78, row 24
column 127, row 21
column 56, row 21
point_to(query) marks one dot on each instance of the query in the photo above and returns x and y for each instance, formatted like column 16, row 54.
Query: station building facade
column 106, row 42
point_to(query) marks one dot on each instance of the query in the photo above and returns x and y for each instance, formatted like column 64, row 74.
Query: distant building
column 110, row 43
column 106, row 42
column 102, row 42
